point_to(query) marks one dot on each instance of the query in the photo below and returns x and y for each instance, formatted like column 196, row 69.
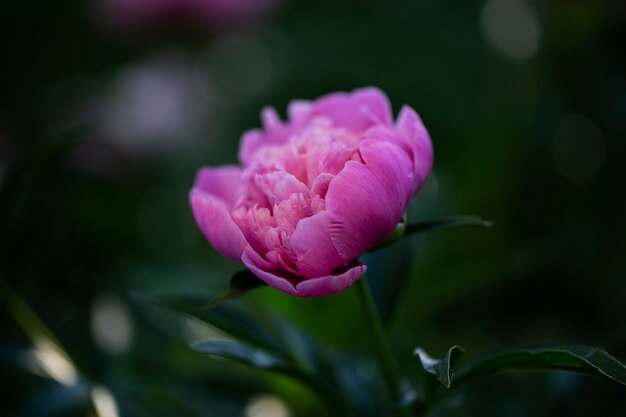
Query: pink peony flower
column 316, row 192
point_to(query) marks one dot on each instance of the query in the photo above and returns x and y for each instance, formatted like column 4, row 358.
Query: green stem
column 383, row 348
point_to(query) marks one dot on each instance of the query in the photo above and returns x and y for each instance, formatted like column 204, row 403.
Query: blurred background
column 109, row 107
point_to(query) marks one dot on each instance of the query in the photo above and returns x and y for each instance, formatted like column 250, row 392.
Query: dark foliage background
column 526, row 106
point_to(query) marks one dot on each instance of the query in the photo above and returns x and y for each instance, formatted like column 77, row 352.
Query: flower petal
column 331, row 284
column 223, row 182
column 394, row 168
column 268, row 272
column 412, row 129
column 216, row 223
column 250, row 142
column 290, row 284
column 314, row 249
column 298, row 112
column 361, row 211
column 275, row 132
column 355, row 111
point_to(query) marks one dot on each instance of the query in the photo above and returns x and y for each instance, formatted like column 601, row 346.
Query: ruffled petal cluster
column 315, row 192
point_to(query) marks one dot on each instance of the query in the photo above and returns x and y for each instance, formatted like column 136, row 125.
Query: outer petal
column 331, row 284
column 281, row 280
column 223, row 182
column 314, row 287
column 355, row 111
column 388, row 134
column 412, row 130
column 361, row 209
column 216, row 223
column 394, row 168
column 315, row 251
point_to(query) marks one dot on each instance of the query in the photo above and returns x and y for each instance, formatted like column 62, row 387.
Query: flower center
column 287, row 183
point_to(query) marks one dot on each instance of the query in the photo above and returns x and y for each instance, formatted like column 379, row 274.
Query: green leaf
column 442, row 369
column 450, row 221
column 233, row 321
column 241, row 352
column 240, row 283
column 573, row 358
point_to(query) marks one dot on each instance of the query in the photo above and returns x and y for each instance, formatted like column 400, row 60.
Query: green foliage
column 241, row 352
column 445, row 222
column 571, row 358
column 240, row 283
column 442, row 369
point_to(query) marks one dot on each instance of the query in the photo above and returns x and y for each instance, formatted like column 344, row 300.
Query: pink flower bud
column 316, row 192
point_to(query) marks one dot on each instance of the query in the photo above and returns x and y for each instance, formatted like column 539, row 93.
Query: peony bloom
column 314, row 193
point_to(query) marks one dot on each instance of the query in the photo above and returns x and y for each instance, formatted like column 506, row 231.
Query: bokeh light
column 111, row 325
column 159, row 104
column 266, row 405
column 511, row 28
column 104, row 402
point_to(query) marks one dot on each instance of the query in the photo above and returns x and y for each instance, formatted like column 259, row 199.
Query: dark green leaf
column 442, row 369
column 443, row 222
column 241, row 352
column 574, row 358
column 240, row 284
column 231, row 320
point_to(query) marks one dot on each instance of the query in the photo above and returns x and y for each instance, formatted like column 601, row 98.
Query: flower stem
column 383, row 348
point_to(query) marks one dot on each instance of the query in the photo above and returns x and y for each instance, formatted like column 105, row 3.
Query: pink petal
column 216, row 223
column 250, row 142
column 298, row 112
column 275, row 133
column 320, row 184
column 223, row 182
column 394, row 168
column 412, row 129
column 271, row 121
column 361, row 211
column 290, row 284
column 355, row 111
column 315, row 252
column 331, row 284
column 388, row 134
column 268, row 272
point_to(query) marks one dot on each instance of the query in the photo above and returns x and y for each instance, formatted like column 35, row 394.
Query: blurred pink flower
column 137, row 15
column 315, row 192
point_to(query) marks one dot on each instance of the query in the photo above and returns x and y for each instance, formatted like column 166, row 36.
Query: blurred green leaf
column 441, row 369
column 444, row 222
column 241, row 352
column 572, row 358
column 240, row 283
column 229, row 319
